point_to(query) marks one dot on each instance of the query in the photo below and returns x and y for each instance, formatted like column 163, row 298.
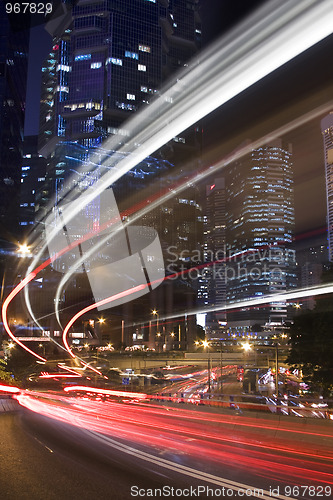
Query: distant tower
column 214, row 254
column 327, row 131
column 260, row 226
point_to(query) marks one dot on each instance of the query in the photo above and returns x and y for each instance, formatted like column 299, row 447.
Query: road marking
column 49, row 449
column 182, row 469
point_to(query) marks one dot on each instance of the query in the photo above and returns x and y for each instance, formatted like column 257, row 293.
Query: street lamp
column 23, row 250
column 155, row 313
column 206, row 344
column 246, row 346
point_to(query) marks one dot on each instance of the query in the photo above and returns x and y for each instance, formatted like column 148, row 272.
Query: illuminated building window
column 131, row 55
column 63, row 67
column 127, row 107
column 83, row 57
column 130, row 97
column 142, row 67
column 114, row 60
column 62, row 88
column 144, row 48
column 96, row 65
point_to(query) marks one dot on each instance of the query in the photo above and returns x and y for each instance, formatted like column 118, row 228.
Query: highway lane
column 178, row 446
column 43, row 459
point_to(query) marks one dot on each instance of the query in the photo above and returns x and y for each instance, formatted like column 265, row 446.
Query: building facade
column 213, row 280
column 259, row 233
column 327, row 133
column 14, row 44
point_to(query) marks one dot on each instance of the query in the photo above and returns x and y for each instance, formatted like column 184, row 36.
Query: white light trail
column 174, row 191
column 276, row 34
column 265, row 299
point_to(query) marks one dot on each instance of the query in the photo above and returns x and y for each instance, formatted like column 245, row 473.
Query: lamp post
column 158, row 335
column 205, row 344
column 155, row 313
column 247, row 347
column 172, row 335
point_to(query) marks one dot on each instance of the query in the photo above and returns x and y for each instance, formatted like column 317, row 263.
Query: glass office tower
column 259, row 233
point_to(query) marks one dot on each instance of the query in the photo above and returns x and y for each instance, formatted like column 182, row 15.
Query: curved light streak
column 170, row 192
column 94, row 306
column 17, row 289
column 273, row 36
column 265, row 299
column 279, row 33
column 5, row 305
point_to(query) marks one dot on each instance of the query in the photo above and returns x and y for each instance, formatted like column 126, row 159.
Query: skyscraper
column 14, row 43
column 109, row 60
column 327, row 132
column 260, row 225
column 213, row 281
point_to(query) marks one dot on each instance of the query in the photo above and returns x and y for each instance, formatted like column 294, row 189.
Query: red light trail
column 248, row 444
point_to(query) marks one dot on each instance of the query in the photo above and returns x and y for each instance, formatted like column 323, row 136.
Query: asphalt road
column 80, row 449
column 41, row 461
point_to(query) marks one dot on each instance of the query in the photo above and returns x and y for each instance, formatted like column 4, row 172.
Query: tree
column 312, row 343
column 5, row 375
column 200, row 334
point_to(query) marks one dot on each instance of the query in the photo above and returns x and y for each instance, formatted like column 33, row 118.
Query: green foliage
column 5, row 375
column 20, row 363
column 312, row 343
column 200, row 333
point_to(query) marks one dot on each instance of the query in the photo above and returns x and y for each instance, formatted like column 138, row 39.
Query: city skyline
column 166, row 296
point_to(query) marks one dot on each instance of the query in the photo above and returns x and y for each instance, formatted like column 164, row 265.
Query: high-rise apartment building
column 327, row 132
column 259, row 231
